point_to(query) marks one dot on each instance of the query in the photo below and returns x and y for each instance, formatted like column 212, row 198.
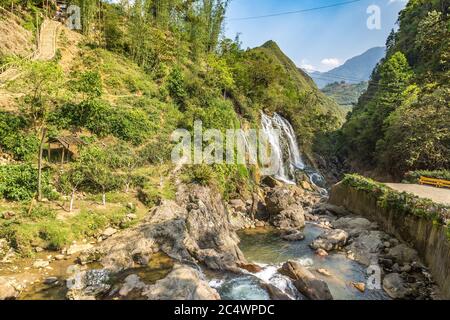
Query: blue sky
column 319, row 40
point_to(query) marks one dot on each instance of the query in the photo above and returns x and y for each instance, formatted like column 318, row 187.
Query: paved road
column 438, row 195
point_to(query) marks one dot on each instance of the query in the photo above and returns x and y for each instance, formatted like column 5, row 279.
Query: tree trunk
column 41, row 147
column 127, row 187
column 72, row 197
column 104, row 198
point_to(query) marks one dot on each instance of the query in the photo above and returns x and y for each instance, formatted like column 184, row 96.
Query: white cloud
column 305, row 65
column 331, row 62
column 392, row 1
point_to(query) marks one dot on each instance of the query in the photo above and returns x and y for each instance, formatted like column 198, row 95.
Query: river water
column 266, row 248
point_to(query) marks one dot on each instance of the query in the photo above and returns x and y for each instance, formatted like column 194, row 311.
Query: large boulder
column 330, row 240
column 306, row 282
column 183, row 283
column 88, row 284
column 403, row 254
column 366, row 247
column 325, row 208
column 195, row 228
column 291, row 218
column 8, row 289
column 354, row 225
column 394, row 286
column 279, row 199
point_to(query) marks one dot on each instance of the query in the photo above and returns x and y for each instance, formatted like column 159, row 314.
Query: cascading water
column 284, row 146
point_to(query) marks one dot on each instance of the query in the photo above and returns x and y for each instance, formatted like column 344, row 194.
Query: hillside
column 401, row 123
column 354, row 70
column 277, row 85
column 345, row 94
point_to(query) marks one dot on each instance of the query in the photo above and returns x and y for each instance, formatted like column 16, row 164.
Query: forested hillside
column 117, row 89
column 345, row 94
column 402, row 122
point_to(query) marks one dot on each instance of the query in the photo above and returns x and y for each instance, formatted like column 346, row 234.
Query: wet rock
column 354, row 226
column 50, row 280
column 394, row 286
column 275, row 293
column 306, row 282
column 8, row 289
column 360, row 286
column 38, row 264
column 132, row 282
column 324, row 208
column 183, row 283
column 366, row 247
column 321, row 253
column 330, row 240
column 324, row 272
column 271, row 182
column 250, row 267
column 87, row 285
column 295, row 236
column 403, row 254
column 260, row 224
column 202, row 233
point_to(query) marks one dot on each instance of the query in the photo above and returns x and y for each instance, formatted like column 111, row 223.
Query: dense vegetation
column 345, row 94
column 401, row 123
column 400, row 203
column 140, row 70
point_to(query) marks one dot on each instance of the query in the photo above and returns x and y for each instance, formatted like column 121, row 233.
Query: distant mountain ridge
column 354, row 70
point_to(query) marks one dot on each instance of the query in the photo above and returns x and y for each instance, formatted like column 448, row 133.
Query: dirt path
column 438, row 195
column 47, row 49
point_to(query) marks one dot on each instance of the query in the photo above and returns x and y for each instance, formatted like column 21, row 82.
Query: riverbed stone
column 295, row 236
column 330, row 240
column 354, row 225
column 306, row 283
column 394, row 286
column 183, row 283
column 194, row 228
column 403, row 254
column 8, row 289
column 366, row 247
column 77, row 248
column 132, row 282
column 38, row 264
column 279, row 199
column 87, row 285
column 291, row 218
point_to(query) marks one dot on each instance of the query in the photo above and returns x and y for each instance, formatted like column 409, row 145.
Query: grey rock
column 330, row 240
column 306, row 282
column 8, row 290
column 394, row 286
column 183, row 283
column 403, row 254
column 87, row 285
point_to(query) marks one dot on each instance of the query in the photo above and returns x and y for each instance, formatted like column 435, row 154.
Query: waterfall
column 286, row 152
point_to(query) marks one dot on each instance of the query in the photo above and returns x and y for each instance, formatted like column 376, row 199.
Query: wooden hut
column 67, row 147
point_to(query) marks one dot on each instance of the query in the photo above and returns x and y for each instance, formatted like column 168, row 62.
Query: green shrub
column 19, row 182
column 402, row 203
column 414, row 176
column 149, row 196
column 199, row 174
